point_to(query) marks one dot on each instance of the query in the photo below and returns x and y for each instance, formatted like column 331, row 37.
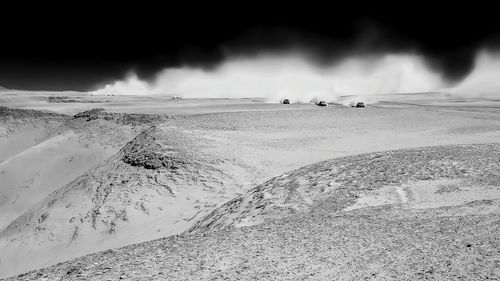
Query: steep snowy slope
column 154, row 186
column 52, row 154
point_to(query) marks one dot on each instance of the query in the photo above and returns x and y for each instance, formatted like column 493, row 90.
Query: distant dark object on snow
column 322, row 103
column 357, row 104
column 177, row 97
column 286, row 101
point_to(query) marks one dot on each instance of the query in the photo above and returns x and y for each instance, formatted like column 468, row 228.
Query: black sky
column 80, row 46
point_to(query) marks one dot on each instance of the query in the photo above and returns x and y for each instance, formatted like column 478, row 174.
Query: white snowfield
column 75, row 186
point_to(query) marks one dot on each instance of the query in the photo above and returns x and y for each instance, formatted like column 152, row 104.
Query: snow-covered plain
column 67, row 187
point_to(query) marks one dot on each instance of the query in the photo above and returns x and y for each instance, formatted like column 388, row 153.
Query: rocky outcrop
column 95, row 113
column 122, row 118
column 66, row 99
column 149, row 152
column 8, row 113
column 150, row 160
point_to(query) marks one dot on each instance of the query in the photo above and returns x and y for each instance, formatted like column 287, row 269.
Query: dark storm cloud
column 85, row 46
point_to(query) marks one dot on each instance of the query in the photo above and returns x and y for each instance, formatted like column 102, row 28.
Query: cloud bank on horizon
column 294, row 76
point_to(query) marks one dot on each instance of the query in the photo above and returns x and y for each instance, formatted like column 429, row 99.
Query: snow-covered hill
column 417, row 178
column 339, row 219
column 155, row 186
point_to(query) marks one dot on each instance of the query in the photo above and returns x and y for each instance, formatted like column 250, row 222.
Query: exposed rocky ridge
column 339, row 182
column 12, row 114
column 55, row 123
column 9, row 114
column 66, row 99
column 122, row 118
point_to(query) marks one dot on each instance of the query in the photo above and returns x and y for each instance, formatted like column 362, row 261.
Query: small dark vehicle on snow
column 322, row 103
column 286, row 101
column 360, row 104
